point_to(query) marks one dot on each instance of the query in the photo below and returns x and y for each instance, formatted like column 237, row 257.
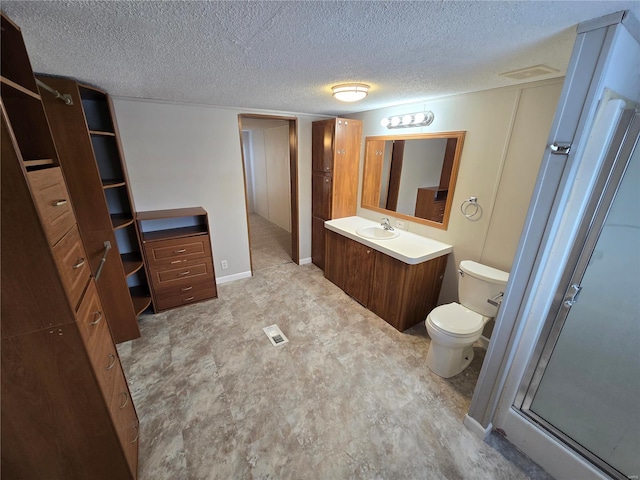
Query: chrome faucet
column 386, row 225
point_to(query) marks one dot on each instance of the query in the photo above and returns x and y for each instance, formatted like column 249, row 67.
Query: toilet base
column 447, row 361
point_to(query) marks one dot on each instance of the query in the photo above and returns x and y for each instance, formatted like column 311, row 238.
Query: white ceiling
column 286, row 55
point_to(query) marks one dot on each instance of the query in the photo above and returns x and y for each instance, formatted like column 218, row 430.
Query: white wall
column 506, row 132
column 276, row 141
column 180, row 155
column 259, row 167
column 421, row 167
column 248, row 169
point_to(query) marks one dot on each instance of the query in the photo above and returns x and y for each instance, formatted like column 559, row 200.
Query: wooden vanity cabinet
column 336, row 162
column 353, row 274
column 399, row 293
column 63, row 412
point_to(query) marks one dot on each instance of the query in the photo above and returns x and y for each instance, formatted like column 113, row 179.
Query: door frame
column 293, row 180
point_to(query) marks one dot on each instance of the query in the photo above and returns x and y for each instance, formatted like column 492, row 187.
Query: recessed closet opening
column 269, row 160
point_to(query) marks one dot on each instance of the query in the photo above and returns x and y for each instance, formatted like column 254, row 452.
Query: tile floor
column 348, row 397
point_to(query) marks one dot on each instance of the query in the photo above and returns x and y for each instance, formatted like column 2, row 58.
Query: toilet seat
column 456, row 320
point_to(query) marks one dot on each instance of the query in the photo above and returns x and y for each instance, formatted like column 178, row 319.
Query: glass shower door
column 586, row 386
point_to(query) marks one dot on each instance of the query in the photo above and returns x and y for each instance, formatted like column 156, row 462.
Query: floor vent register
column 275, row 335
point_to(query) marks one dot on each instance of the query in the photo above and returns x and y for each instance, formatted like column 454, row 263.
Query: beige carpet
column 348, row 397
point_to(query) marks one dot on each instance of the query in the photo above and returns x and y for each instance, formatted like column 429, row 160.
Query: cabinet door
column 335, row 260
column 317, row 242
column 346, row 168
column 360, row 261
column 322, row 146
column 321, row 187
column 387, row 288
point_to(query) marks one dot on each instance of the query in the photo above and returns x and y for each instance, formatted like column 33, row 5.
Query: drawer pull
column 79, row 263
column 126, row 399
column 60, row 202
column 112, row 358
column 137, row 427
column 182, row 250
column 189, row 299
column 178, row 261
column 186, row 289
column 98, row 316
column 185, row 273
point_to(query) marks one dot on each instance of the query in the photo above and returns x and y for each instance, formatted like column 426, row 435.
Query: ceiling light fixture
column 420, row 119
column 350, row 92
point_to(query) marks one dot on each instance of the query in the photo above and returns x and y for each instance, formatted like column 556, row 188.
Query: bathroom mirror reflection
column 412, row 176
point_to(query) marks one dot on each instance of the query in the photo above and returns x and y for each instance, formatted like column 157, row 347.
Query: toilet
column 454, row 327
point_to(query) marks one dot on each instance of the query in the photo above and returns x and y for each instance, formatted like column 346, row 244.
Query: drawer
column 52, row 200
column 184, row 286
column 177, row 251
column 196, row 268
column 165, row 302
column 125, row 419
column 91, row 319
column 72, row 264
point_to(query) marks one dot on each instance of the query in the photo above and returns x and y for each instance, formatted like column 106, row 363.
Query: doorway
column 269, row 160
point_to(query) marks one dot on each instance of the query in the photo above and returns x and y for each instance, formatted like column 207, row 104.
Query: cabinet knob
column 112, row 360
column 98, row 316
column 343, row 151
column 126, row 399
column 368, row 251
column 79, row 263
column 326, row 180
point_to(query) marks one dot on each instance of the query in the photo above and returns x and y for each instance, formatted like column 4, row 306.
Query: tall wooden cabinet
column 66, row 410
column 336, row 161
column 87, row 139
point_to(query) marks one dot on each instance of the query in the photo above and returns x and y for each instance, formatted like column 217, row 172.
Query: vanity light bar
column 420, row 119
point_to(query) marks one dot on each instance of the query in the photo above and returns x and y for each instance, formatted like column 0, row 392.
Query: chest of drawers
column 178, row 256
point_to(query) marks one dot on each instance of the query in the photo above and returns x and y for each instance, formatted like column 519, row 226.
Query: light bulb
column 395, row 121
column 406, row 120
column 384, row 122
column 418, row 118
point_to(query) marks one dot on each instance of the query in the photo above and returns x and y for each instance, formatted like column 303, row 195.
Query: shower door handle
column 573, row 297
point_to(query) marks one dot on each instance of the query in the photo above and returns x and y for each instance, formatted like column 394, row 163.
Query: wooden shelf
column 141, row 299
column 121, row 220
column 102, row 134
column 173, row 233
column 113, row 183
column 39, row 162
column 17, row 87
column 172, row 213
column 132, row 262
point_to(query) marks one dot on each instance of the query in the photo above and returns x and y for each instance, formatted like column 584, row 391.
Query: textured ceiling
column 285, row 56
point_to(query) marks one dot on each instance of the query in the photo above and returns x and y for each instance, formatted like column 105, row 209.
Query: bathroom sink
column 377, row 233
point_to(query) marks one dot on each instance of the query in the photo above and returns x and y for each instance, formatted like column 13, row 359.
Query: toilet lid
column 456, row 319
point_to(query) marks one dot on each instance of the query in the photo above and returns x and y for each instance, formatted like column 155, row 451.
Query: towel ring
column 470, row 207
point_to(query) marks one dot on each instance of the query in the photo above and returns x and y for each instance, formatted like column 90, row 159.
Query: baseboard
column 232, row 278
column 476, row 428
column 305, row 261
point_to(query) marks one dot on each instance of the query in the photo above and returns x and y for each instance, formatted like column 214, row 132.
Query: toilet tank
column 477, row 284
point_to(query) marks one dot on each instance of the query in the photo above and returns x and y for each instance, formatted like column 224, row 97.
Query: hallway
column 270, row 244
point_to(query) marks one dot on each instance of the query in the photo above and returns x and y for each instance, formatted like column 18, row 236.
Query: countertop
column 407, row 247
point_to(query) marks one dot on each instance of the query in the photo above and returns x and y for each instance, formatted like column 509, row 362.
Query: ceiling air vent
column 529, row 72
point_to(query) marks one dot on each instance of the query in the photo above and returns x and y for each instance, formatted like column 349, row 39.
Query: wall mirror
column 412, row 176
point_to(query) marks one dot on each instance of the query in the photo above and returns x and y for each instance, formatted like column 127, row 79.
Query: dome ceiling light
column 350, row 92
